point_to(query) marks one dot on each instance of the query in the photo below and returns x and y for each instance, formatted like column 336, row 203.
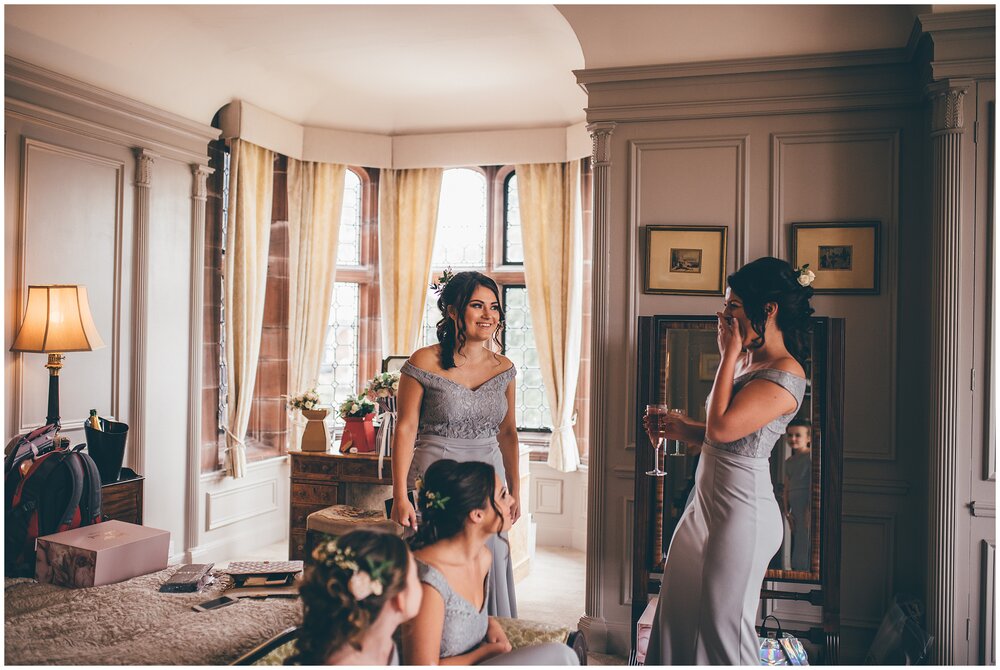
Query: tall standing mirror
column 678, row 358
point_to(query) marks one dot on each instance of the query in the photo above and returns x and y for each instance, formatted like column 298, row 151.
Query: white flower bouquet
column 383, row 385
column 358, row 406
column 307, row 400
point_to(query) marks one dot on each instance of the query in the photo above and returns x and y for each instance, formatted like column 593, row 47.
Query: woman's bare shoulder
column 789, row 364
column 501, row 362
column 427, row 358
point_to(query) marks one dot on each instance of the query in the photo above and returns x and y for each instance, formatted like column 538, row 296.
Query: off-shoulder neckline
column 452, row 381
column 486, row 582
column 790, row 374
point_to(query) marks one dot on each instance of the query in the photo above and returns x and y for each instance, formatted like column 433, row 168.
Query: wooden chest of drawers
column 318, row 480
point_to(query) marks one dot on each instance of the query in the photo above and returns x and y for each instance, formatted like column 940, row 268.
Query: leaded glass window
column 349, row 237
column 532, row 409
column 338, row 371
column 513, row 248
column 460, row 240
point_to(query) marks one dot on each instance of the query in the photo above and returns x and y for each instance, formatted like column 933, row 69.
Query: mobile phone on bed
column 215, row 603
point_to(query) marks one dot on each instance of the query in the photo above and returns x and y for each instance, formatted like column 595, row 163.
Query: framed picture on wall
column 708, row 363
column 844, row 256
column 685, row 260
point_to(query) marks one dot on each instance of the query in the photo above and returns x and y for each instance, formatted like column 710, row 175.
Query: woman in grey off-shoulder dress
column 456, row 400
column 732, row 528
column 462, row 424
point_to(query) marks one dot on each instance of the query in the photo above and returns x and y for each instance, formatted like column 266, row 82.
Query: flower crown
column 362, row 583
column 804, row 275
column 442, row 281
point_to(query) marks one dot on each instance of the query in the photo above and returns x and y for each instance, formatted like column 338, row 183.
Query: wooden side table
column 318, row 480
column 122, row 500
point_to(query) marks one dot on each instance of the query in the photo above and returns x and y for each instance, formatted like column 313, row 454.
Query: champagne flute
column 654, row 413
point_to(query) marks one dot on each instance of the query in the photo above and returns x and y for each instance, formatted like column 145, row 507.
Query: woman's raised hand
column 403, row 512
column 730, row 337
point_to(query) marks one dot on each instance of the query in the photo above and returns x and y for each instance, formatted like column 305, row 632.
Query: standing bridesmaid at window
column 456, row 400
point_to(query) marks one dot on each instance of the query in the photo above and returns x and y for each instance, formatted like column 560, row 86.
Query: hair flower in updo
column 435, row 500
column 362, row 583
column 805, row 275
column 442, row 281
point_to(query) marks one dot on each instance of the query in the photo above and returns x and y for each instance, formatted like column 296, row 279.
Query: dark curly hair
column 331, row 616
column 457, row 293
column 774, row 280
column 450, row 490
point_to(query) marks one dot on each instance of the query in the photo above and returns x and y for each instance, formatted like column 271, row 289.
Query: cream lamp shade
column 57, row 319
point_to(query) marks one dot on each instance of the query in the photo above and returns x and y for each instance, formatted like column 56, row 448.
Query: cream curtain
column 248, row 236
column 315, row 197
column 408, row 209
column 552, row 231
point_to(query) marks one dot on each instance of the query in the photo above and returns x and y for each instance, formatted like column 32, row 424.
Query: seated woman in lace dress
column 463, row 504
column 456, row 400
column 355, row 595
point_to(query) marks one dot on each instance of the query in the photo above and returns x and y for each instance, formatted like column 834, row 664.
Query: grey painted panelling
column 869, row 556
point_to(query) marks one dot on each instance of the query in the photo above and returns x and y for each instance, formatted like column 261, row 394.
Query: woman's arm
column 408, row 398
column 509, row 450
column 732, row 416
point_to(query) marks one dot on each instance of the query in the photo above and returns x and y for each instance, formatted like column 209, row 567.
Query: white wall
column 559, row 506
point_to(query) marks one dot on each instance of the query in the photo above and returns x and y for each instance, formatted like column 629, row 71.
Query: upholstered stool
column 337, row 520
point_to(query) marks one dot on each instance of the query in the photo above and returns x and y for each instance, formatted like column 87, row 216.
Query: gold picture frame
column 708, row 364
column 685, row 260
column 844, row 255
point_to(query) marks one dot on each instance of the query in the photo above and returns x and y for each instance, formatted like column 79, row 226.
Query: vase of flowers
column 358, row 413
column 314, row 437
column 382, row 389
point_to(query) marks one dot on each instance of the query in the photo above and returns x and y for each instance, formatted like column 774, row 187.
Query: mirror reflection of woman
column 797, row 488
column 456, row 400
column 728, row 534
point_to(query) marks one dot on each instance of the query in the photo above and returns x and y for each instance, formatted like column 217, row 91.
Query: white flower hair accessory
column 805, row 275
column 362, row 583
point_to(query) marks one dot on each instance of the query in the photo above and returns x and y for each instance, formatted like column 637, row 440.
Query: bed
column 132, row 623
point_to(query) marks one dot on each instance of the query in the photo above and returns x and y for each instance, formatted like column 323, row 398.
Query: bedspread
column 132, row 623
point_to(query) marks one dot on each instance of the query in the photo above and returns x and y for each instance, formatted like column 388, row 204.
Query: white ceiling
column 404, row 69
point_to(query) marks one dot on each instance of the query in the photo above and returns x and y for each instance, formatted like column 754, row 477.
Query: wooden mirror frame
column 828, row 398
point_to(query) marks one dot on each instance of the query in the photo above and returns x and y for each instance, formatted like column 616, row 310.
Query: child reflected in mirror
column 798, row 490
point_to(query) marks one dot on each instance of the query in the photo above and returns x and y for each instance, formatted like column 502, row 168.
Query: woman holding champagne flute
column 727, row 535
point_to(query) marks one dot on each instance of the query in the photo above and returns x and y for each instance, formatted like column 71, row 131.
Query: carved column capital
column 947, row 107
column 144, row 159
column 199, row 187
column 600, row 134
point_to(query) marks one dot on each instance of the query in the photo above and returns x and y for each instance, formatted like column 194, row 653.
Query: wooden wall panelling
column 70, row 230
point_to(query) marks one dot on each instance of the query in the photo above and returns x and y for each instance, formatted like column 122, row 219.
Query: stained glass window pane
column 460, row 240
column 349, row 239
column 513, row 253
column 338, row 371
column 519, row 346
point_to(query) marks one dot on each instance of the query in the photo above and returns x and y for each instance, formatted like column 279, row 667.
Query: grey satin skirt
column 429, row 448
column 716, row 564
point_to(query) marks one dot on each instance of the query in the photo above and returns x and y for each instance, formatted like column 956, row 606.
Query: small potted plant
column 314, row 435
column 358, row 413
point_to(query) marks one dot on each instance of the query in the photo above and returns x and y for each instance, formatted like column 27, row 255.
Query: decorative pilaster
column 946, row 164
column 593, row 623
column 199, row 197
column 144, row 160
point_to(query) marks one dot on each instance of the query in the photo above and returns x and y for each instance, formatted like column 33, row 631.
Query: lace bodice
column 464, row 626
column 759, row 443
column 449, row 409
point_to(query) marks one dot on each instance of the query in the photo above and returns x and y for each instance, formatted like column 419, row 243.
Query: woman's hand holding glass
column 653, row 422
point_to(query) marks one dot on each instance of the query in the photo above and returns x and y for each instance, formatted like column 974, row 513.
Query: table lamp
column 56, row 320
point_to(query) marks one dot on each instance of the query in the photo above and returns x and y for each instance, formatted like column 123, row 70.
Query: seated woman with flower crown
column 462, row 505
column 361, row 587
